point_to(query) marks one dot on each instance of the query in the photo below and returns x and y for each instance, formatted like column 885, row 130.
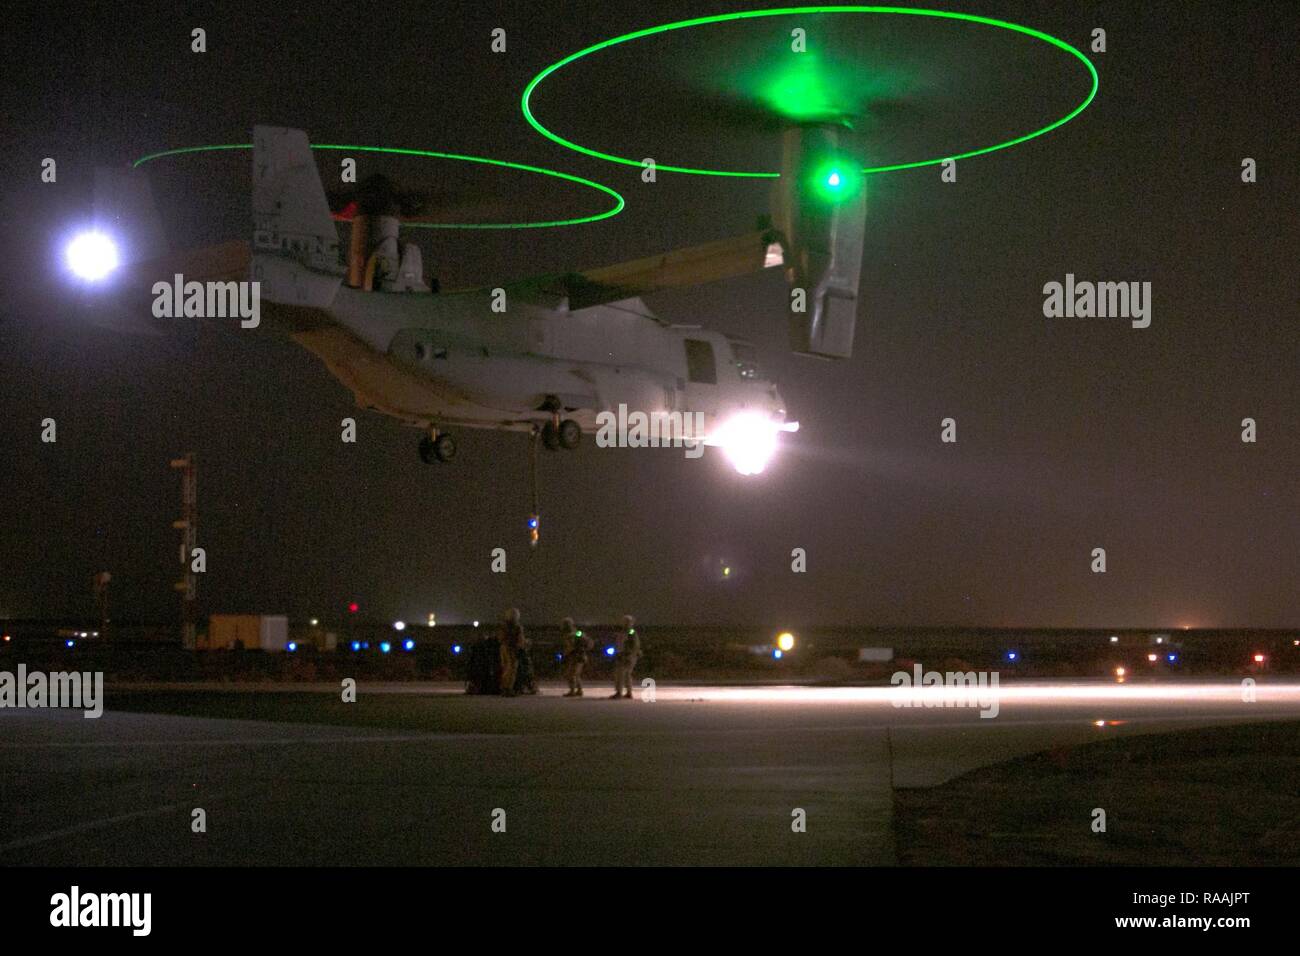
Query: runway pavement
column 419, row 773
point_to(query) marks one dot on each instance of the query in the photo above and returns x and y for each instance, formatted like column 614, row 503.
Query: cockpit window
column 746, row 360
column 701, row 367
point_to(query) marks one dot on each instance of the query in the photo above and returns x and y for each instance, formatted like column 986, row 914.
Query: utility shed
column 265, row 632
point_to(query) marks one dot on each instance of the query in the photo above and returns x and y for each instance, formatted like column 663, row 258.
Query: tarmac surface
column 699, row 775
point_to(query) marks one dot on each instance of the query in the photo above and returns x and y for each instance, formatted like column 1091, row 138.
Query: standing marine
column 512, row 640
column 575, row 648
column 625, row 658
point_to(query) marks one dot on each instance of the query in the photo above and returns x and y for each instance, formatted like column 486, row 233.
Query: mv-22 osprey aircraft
column 566, row 348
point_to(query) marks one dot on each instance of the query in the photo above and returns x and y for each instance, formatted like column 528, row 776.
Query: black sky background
column 1073, row 433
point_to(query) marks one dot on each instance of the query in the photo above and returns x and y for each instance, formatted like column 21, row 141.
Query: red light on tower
column 353, row 607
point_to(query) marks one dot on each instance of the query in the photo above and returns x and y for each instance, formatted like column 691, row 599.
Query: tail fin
column 124, row 207
column 295, row 242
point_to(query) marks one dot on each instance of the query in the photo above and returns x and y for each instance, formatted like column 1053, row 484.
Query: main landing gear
column 558, row 434
column 437, row 446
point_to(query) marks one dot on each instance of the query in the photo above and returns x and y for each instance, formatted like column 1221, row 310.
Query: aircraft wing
column 694, row 265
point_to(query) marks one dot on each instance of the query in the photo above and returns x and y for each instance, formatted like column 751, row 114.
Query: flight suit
column 576, row 646
column 512, row 637
column 625, row 662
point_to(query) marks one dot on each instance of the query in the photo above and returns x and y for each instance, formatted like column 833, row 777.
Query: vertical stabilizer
column 295, row 242
column 125, row 209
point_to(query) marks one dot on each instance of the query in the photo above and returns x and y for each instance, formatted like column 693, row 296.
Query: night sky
column 1073, row 433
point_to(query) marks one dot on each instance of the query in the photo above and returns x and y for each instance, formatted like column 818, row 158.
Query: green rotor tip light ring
column 786, row 11
column 430, row 154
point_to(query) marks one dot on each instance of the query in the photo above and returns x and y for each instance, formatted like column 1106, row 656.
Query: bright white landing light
column 748, row 439
column 92, row 255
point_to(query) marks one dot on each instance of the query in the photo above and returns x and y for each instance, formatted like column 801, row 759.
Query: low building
column 250, row 632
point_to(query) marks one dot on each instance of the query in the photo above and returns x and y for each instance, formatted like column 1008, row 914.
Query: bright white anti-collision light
column 748, row 439
column 91, row 256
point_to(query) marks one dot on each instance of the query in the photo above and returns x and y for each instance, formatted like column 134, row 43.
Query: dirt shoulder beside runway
column 1218, row 796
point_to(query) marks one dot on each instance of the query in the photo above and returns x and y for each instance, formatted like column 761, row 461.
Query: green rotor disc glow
column 430, row 154
column 786, row 11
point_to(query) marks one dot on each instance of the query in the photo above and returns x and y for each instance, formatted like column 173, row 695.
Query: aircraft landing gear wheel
column 551, row 436
column 444, row 447
column 570, row 434
column 437, row 448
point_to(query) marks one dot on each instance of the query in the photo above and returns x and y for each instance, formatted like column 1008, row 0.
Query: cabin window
column 700, row 364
